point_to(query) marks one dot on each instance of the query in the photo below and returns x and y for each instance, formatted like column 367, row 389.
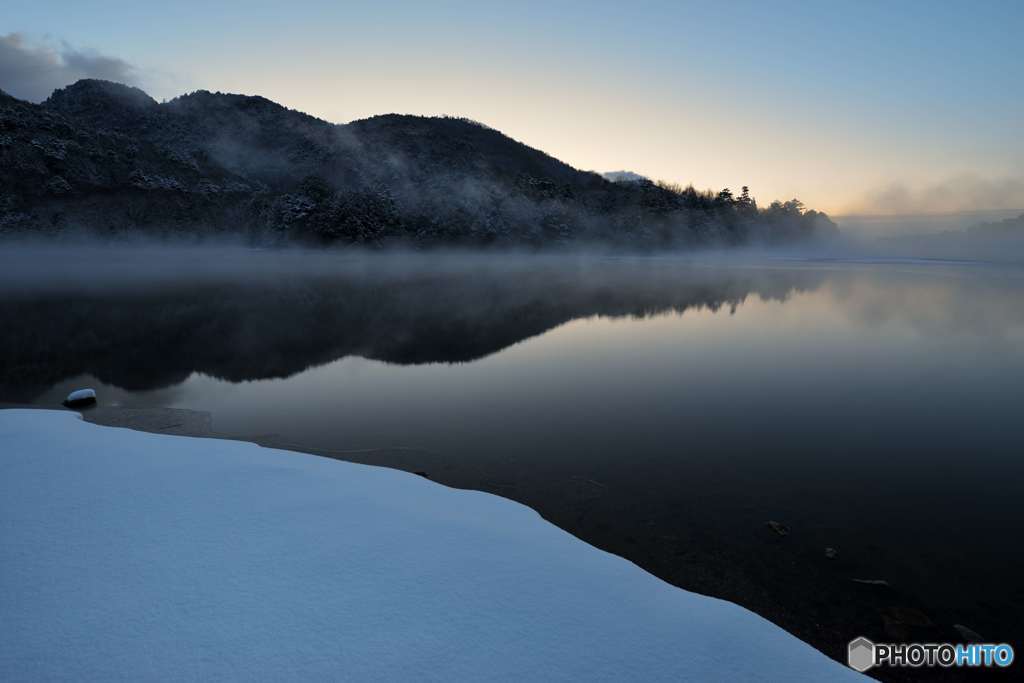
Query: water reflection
column 141, row 334
column 663, row 409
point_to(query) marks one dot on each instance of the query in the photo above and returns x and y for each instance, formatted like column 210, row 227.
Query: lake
column 835, row 443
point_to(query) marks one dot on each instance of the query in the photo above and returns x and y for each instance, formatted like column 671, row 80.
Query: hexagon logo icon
column 860, row 654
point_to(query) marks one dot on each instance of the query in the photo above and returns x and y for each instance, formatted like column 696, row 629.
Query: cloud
column 964, row 192
column 33, row 71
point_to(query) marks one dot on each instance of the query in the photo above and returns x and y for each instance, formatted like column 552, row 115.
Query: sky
column 853, row 107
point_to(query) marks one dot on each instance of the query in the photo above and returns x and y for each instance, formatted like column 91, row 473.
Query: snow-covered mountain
column 103, row 157
column 624, row 177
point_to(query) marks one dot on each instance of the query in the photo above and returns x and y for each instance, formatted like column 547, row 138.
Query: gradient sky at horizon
column 888, row 107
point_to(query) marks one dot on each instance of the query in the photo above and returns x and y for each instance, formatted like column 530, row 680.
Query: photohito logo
column 862, row 654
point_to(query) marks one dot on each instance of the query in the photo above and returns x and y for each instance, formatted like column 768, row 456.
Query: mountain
column 1008, row 228
column 106, row 158
column 624, row 177
column 995, row 241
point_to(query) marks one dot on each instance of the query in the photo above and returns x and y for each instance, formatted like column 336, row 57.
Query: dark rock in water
column 422, row 474
column 900, row 623
column 872, row 582
column 777, row 527
column 968, row 635
column 80, row 398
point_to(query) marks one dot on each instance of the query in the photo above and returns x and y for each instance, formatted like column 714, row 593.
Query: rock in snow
column 81, row 397
column 135, row 556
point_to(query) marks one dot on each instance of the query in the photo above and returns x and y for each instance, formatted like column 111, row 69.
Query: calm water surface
column 662, row 408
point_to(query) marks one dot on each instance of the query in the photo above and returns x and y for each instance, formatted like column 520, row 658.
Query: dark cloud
column 33, row 71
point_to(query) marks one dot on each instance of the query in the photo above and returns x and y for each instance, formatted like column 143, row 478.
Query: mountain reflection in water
column 664, row 409
column 250, row 325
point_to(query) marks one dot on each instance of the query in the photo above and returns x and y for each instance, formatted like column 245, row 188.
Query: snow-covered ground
column 134, row 556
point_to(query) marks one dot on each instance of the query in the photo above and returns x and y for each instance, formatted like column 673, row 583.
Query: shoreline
column 133, row 554
column 821, row 609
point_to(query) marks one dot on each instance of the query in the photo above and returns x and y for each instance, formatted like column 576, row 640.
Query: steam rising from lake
column 661, row 406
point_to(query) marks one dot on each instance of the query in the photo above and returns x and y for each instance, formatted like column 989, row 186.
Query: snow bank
column 139, row 556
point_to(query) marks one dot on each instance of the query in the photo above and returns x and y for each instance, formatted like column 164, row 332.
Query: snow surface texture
column 140, row 556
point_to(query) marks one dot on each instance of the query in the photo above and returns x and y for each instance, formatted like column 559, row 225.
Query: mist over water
column 777, row 358
column 84, row 263
column 661, row 406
